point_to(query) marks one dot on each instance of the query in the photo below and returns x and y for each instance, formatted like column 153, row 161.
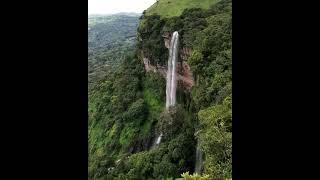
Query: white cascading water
column 159, row 139
column 198, row 166
column 171, row 76
column 171, row 73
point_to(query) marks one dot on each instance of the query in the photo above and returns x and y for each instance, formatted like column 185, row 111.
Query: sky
column 117, row 6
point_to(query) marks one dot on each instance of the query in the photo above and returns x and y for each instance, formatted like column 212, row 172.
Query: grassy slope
column 170, row 8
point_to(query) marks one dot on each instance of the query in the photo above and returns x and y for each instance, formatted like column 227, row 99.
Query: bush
column 194, row 176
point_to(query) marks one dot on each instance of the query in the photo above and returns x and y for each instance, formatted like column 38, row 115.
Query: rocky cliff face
column 184, row 72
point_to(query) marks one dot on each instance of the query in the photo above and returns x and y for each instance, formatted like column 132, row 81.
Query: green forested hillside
column 127, row 107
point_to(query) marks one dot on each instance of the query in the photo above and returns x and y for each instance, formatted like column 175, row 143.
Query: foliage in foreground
column 169, row 159
column 194, row 176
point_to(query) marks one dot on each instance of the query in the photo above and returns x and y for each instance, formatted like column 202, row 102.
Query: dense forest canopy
column 127, row 105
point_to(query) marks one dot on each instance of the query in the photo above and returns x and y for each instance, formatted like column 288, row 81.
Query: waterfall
column 159, row 139
column 171, row 77
column 198, row 166
column 171, row 73
column 156, row 141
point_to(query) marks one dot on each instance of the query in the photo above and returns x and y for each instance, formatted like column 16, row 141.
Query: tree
column 215, row 139
column 196, row 61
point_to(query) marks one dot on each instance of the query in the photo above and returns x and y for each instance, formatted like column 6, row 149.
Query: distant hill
column 110, row 37
column 104, row 18
column 129, row 14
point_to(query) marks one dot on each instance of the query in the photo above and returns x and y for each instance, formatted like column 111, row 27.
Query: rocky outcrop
column 154, row 68
column 186, row 76
column 166, row 38
column 184, row 72
column 185, row 53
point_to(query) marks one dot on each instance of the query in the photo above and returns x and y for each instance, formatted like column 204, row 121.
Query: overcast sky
column 116, row 6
